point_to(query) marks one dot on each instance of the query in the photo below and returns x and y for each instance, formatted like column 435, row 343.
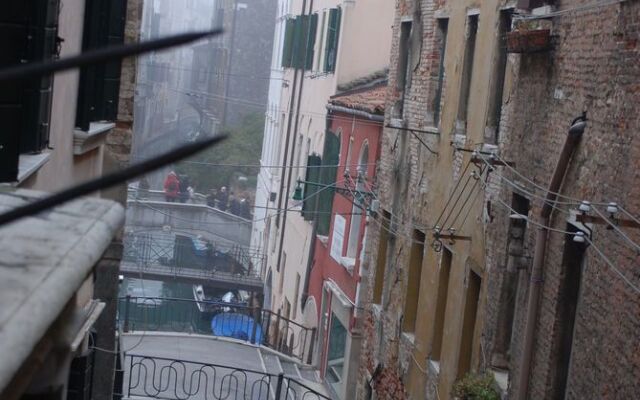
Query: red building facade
column 355, row 122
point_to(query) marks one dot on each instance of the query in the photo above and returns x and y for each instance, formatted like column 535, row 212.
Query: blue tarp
column 234, row 325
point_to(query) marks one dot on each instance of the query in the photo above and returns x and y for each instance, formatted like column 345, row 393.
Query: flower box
column 528, row 41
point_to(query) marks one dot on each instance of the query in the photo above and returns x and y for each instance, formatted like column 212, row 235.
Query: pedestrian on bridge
column 171, row 187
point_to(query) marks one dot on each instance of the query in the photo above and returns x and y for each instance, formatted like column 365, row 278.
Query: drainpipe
column 282, row 190
column 571, row 143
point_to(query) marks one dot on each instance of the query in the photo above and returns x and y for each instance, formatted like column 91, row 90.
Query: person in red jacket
column 171, row 187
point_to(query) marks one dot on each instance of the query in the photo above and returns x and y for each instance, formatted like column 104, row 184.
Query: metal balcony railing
column 166, row 255
column 164, row 378
column 252, row 324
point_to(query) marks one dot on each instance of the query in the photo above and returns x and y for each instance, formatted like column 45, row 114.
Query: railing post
column 311, row 345
column 279, row 386
column 126, row 313
column 255, row 325
column 276, row 344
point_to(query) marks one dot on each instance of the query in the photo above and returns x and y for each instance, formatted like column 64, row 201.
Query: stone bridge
column 153, row 213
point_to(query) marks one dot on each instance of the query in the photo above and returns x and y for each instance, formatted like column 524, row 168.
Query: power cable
column 617, row 229
column 612, row 266
column 598, row 251
column 263, row 106
column 466, row 167
column 153, row 65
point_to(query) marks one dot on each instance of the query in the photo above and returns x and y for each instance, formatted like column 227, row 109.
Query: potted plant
column 476, row 387
column 529, row 36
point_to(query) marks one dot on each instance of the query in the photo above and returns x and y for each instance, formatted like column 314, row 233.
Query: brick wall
column 594, row 66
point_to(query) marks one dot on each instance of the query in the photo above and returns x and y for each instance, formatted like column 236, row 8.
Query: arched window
column 357, row 212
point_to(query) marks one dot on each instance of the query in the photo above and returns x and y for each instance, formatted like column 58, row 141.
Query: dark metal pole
column 126, row 313
column 279, row 386
column 311, row 345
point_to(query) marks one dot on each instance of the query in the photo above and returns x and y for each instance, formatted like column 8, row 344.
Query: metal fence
column 183, row 251
column 261, row 327
column 165, row 378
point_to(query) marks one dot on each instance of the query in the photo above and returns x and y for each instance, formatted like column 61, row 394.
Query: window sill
column 396, row 123
column 434, row 366
column 409, row 337
column 324, row 240
column 432, row 129
column 29, row 164
column 502, row 379
column 84, row 142
column 377, row 311
column 348, row 263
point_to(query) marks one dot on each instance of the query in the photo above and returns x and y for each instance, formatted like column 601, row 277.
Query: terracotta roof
column 371, row 100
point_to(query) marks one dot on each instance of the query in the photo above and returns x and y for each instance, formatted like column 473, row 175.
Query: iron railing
column 182, row 251
column 270, row 329
column 165, row 378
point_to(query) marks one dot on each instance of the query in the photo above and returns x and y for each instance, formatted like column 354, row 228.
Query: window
column 497, row 89
column 516, row 262
column 467, row 74
column 441, row 303
column 287, row 308
column 312, row 176
column 335, row 352
column 403, row 81
column 99, row 88
column 295, row 296
column 441, row 46
column 381, row 261
column 413, row 282
column 28, row 32
column 569, row 296
column 283, row 264
column 299, row 42
column 333, row 36
column 469, row 323
column 355, row 225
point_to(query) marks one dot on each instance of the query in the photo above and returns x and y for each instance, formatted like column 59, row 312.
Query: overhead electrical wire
column 598, row 251
column 292, row 208
column 267, row 108
column 610, row 223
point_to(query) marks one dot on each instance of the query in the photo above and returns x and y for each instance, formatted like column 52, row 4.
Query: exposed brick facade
column 593, row 66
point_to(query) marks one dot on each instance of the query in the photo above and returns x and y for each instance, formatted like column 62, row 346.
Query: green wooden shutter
column 13, row 42
column 333, row 36
column 99, row 90
column 301, row 24
column 112, row 69
column 328, row 175
column 287, row 48
column 312, row 176
column 311, row 42
column 37, row 96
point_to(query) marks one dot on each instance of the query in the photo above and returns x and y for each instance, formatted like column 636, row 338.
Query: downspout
column 569, row 147
column 293, row 145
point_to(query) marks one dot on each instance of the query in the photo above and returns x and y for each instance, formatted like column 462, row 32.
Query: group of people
column 177, row 188
column 226, row 201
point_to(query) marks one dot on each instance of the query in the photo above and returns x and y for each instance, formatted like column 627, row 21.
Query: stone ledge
column 84, row 142
column 29, row 164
